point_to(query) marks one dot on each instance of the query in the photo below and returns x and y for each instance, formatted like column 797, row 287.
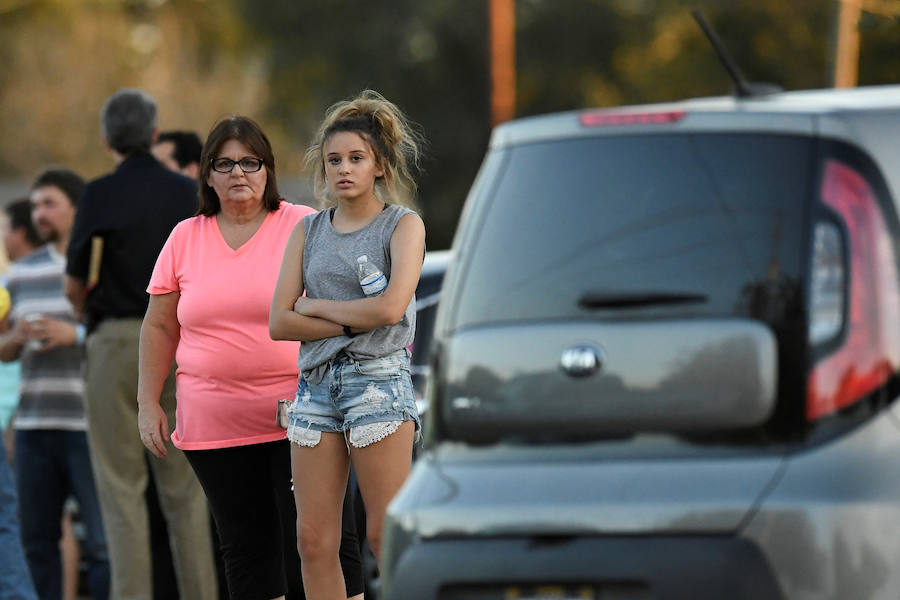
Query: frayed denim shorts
column 367, row 399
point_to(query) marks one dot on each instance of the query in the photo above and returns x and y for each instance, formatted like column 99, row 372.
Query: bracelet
column 80, row 333
column 349, row 333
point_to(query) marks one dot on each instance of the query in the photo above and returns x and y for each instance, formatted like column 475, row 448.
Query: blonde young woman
column 354, row 398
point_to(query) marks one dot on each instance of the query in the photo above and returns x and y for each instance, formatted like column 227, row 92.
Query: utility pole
column 846, row 64
column 502, row 20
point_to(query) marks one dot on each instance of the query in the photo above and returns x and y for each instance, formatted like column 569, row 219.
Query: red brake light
column 601, row 118
column 870, row 353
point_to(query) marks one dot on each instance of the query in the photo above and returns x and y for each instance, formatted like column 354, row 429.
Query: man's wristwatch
column 349, row 333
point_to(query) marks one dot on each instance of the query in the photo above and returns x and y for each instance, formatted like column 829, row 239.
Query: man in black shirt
column 122, row 223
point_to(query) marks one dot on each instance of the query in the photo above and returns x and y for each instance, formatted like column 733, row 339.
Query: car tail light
column 869, row 352
column 600, row 118
column 826, row 304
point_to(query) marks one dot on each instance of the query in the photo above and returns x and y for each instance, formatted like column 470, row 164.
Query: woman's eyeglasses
column 247, row 164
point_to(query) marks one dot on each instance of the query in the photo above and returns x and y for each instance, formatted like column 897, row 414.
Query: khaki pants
column 120, row 468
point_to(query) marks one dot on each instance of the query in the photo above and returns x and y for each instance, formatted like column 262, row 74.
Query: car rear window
column 712, row 218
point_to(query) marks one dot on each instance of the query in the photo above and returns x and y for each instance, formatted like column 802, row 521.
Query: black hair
column 68, row 181
column 19, row 213
column 187, row 146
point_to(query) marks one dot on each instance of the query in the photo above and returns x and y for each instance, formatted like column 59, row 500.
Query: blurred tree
column 284, row 62
column 604, row 53
column 879, row 60
column 64, row 58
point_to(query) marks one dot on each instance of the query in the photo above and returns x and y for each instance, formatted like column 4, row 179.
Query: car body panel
column 827, row 112
column 428, row 292
column 670, row 375
column 830, row 526
column 478, row 493
column 876, row 132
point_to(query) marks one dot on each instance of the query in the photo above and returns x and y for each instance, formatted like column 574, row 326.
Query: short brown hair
column 69, row 182
column 248, row 132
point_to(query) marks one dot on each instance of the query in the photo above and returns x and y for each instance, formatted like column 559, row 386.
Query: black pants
column 249, row 493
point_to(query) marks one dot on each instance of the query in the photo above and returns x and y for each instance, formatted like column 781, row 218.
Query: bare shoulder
column 409, row 235
column 298, row 233
column 411, row 221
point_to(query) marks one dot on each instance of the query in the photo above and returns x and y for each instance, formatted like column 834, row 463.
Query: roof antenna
column 742, row 88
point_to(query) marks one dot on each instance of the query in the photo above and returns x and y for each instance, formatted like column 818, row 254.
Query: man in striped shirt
column 52, row 459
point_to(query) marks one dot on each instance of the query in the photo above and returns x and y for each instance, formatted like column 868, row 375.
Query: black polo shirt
column 133, row 209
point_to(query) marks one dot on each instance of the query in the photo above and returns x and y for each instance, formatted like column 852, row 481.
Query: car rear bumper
column 626, row 567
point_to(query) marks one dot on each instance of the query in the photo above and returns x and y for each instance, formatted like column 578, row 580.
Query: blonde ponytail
column 395, row 140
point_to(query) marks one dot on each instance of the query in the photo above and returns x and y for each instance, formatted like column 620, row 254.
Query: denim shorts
column 353, row 393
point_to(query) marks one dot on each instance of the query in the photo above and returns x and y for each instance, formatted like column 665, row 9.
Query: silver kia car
column 666, row 359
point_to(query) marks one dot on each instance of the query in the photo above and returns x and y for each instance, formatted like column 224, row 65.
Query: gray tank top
column 329, row 271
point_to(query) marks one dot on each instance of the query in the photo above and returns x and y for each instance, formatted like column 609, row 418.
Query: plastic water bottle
column 371, row 278
column 33, row 345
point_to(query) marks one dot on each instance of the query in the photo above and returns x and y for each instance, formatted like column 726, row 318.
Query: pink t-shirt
column 230, row 373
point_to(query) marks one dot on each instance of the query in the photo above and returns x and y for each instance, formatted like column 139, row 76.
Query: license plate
column 551, row 592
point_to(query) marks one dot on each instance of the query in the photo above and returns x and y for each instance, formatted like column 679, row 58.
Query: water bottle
column 371, row 278
column 33, row 345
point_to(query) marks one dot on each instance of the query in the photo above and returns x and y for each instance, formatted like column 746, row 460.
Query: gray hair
column 128, row 120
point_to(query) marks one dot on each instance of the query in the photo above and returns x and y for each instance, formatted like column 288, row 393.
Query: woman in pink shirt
column 209, row 311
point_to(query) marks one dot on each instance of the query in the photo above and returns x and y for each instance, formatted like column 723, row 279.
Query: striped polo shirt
column 52, row 387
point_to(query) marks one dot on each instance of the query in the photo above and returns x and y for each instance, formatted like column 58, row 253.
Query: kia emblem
column 581, row 361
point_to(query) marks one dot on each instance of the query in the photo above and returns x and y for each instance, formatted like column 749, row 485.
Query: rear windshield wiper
column 593, row 300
